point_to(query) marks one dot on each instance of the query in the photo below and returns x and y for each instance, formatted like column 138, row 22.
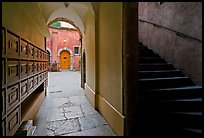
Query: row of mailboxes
column 24, row 69
column 13, row 121
column 19, row 90
column 14, row 46
column 16, row 93
column 19, row 69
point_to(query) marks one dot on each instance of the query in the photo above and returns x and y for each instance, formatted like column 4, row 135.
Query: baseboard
column 90, row 94
column 114, row 118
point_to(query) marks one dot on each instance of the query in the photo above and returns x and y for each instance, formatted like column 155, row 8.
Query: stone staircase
column 170, row 104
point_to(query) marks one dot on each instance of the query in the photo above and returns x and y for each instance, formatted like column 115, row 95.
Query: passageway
column 127, row 82
column 66, row 111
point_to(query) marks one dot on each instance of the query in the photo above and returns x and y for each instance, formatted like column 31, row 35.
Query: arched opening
column 65, row 35
column 60, row 19
column 64, row 60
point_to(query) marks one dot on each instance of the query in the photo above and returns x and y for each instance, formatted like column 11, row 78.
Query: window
column 76, row 50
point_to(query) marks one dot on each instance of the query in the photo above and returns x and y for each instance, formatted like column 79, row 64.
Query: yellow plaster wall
column 109, row 47
column 88, row 43
column 110, row 53
column 16, row 20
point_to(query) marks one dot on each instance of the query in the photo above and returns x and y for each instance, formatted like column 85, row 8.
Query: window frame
column 77, row 54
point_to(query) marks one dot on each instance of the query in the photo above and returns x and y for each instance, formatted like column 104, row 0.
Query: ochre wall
column 102, row 43
column 109, row 50
column 16, row 20
column 88, row 45
column 184, row 17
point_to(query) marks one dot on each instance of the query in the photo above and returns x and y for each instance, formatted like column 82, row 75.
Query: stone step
column 174, row 93
column 151, row 60
column 168, row 106
column 148, row 54
column 158, row 83
column 156, row 67
column 160, row 74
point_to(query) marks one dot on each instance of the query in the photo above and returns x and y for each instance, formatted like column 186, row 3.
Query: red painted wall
column 55, row 43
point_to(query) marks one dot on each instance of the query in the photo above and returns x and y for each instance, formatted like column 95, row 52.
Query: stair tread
column 155, row 64
column 167, row 78
column 166, row 94
column 178, row 88
column 193, row 130
column 160, row 73
column 155, row 71
column 189, row 113
column 190, row 100
column 176, row 101
column 151, row 57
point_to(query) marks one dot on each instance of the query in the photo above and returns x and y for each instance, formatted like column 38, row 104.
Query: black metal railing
column 177, row 33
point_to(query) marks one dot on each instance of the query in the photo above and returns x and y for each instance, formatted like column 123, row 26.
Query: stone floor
column 66, row 110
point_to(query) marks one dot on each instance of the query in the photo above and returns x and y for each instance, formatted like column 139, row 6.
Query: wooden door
column 64, row 60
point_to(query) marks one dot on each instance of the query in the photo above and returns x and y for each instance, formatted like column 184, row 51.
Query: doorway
column 65, row 60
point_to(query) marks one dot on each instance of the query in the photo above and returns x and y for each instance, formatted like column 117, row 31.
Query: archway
column 65, row 20
column 64, row 59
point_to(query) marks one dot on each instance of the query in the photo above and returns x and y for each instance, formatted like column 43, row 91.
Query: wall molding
column 90, row 94
column 113, row 117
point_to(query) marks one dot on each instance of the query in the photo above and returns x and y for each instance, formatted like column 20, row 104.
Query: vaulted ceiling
column 49, row 11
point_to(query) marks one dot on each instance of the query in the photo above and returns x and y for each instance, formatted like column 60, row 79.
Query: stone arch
column 68, row 21
column 71, row 55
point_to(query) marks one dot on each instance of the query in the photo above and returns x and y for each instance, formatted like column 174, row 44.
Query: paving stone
column 68, row 104
column 73, row 111
column 79, row 100
column 98, row 131
column 54, row 89
column 49, row 133
column 58, row 102
column 91, row 121
column 55, row 110
column 47, row 102
column 88, row 109
column 41, row 129
column 53, row 125
column 56, row 116
column 64, row 126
